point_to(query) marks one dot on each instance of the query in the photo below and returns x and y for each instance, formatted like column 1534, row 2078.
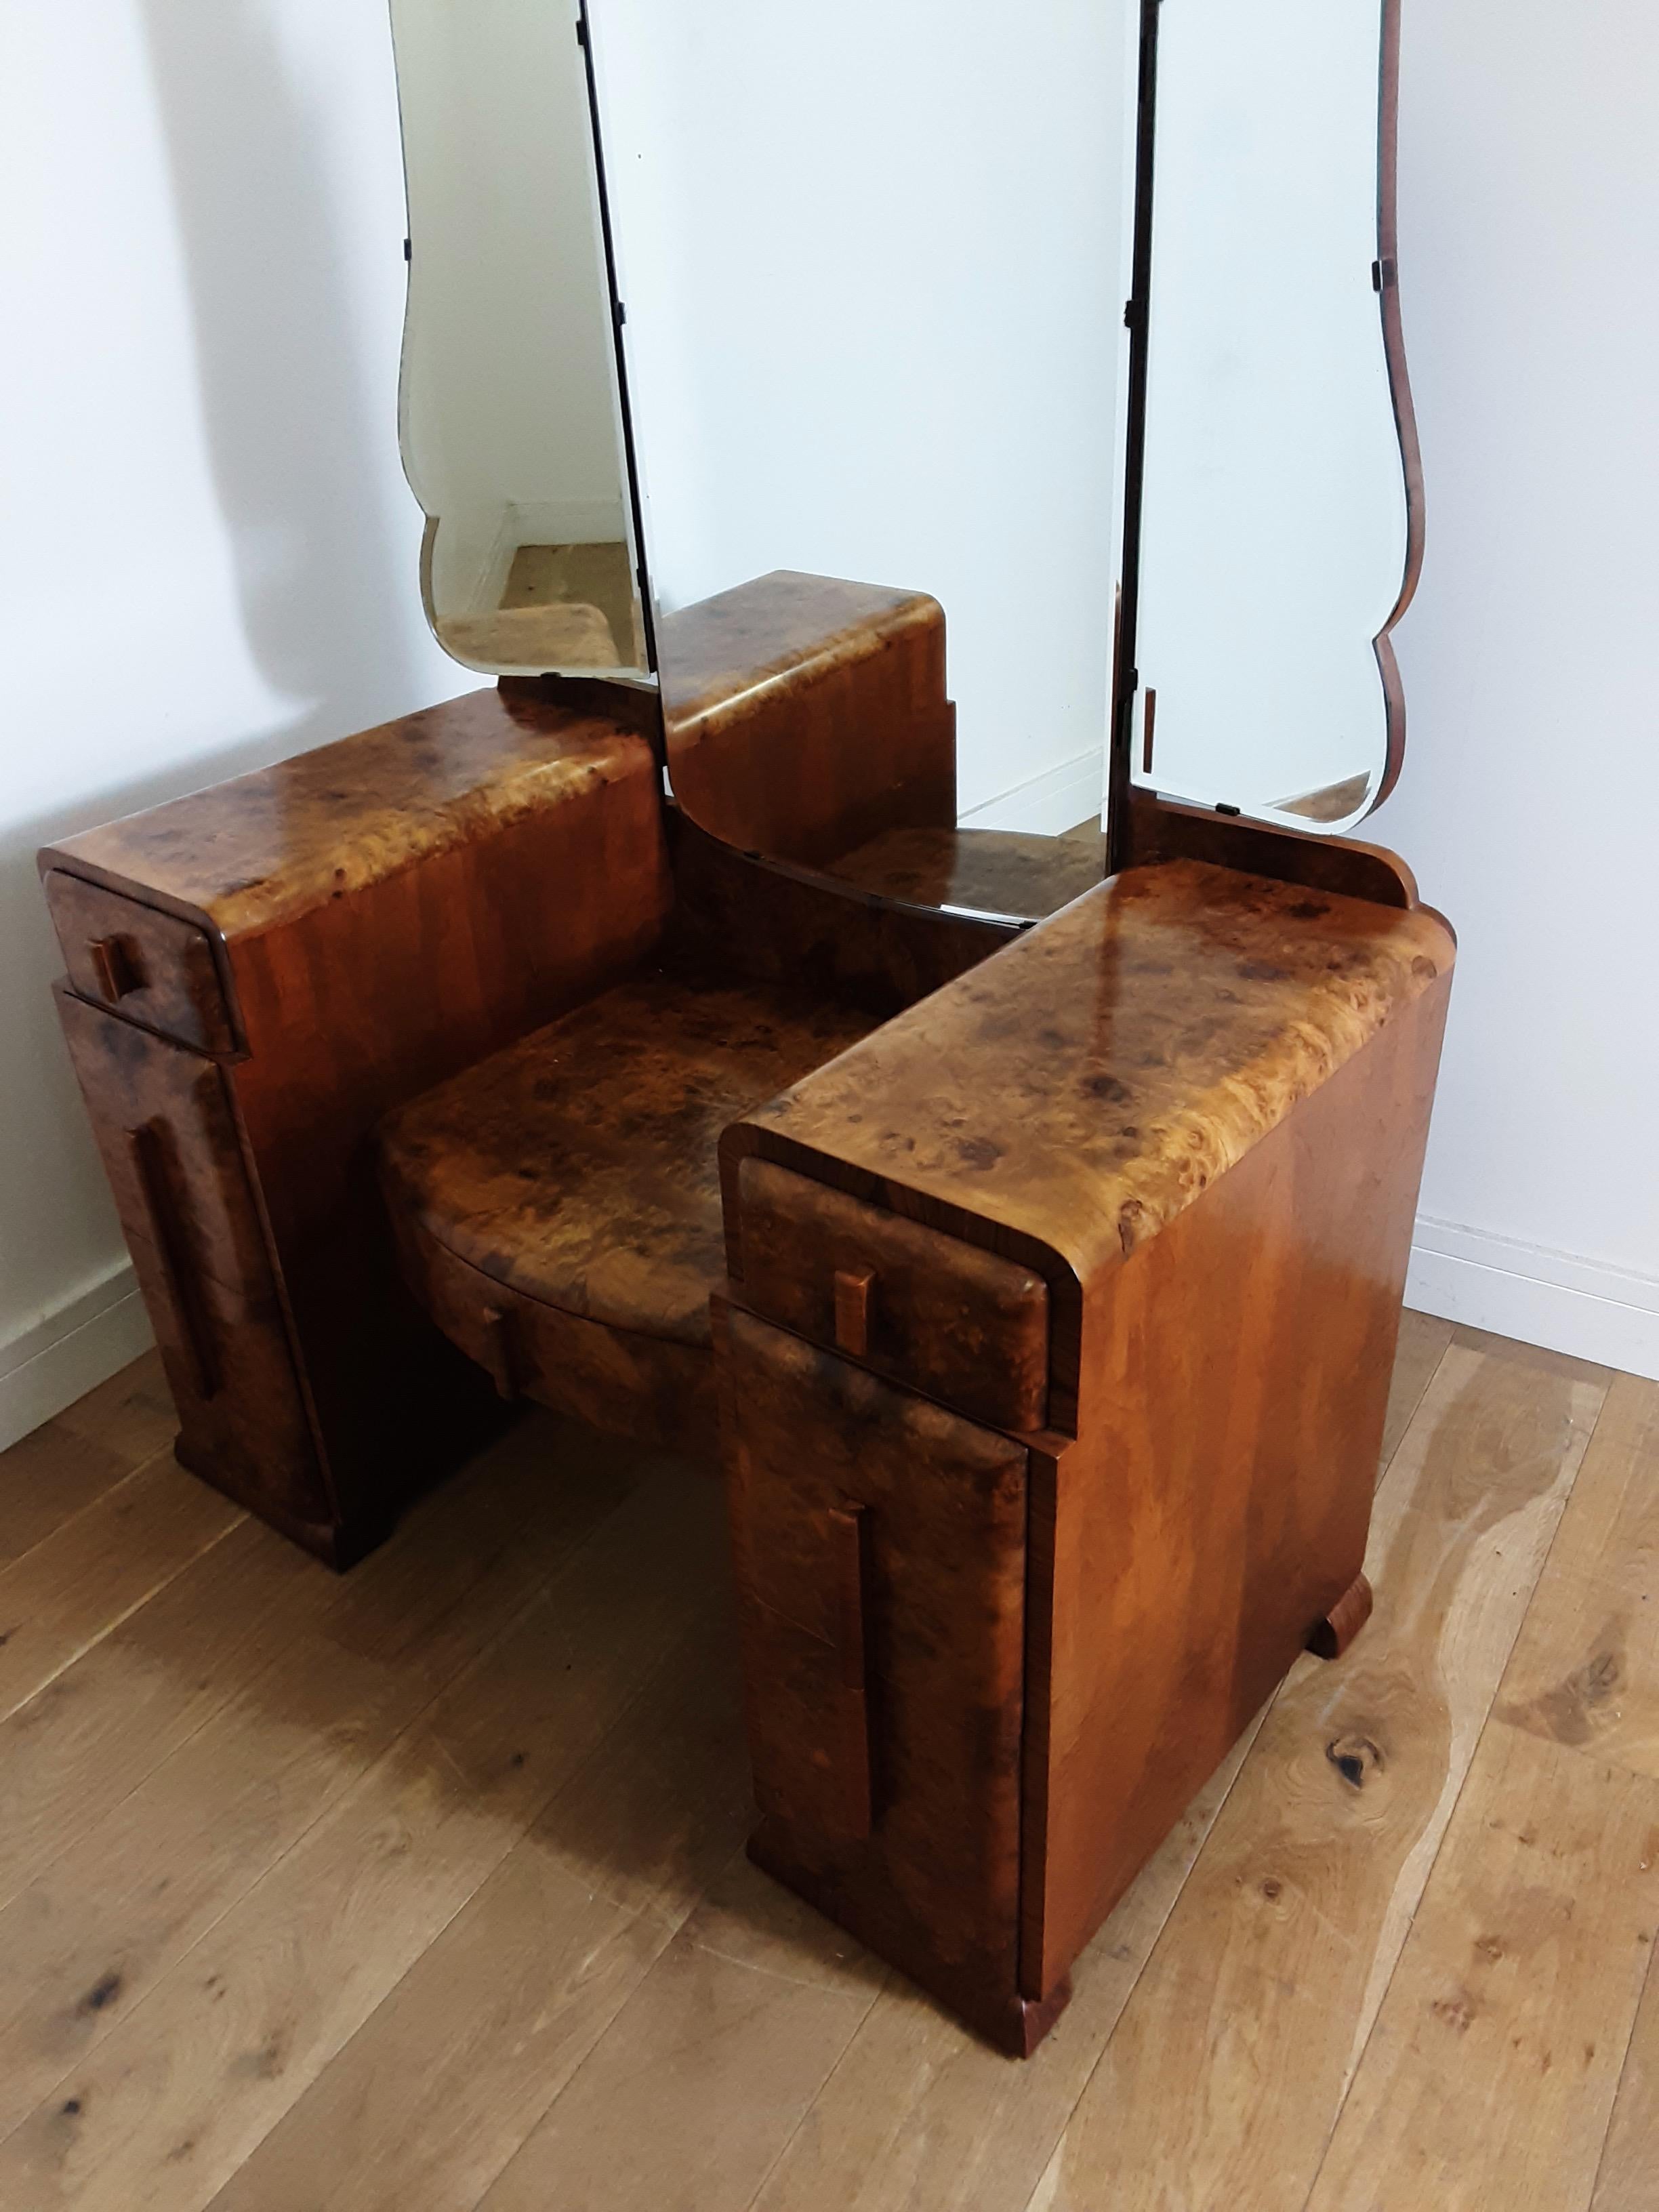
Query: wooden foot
column 1330, row 1638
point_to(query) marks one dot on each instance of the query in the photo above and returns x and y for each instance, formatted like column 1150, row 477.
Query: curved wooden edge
column 1405, row 413
column 1167, row 830
column 1330, row 1638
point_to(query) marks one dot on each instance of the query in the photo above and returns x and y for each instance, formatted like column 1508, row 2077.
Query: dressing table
column 1019, row 1219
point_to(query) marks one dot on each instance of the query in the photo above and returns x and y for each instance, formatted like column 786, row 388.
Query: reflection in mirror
column 1277, row 540
column 511, row 408
column 872, row 257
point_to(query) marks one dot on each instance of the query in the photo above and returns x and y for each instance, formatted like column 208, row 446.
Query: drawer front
column 168, row 1138
column 880, row 1550
column 148, row 966
column 962, row 1324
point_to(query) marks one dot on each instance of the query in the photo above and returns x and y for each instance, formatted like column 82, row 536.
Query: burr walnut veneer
column 1037, row 1285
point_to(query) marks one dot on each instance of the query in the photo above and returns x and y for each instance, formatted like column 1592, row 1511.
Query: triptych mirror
column 1086, row 328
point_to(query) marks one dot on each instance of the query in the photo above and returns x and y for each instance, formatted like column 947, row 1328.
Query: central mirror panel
column 872, row 258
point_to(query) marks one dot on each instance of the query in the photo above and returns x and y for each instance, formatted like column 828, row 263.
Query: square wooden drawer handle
column 853, row 1289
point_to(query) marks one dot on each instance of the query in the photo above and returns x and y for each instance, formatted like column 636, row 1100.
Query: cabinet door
column 880, row 1549
column 167, row 1135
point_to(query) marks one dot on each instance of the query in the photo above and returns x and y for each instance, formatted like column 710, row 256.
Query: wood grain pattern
column 436, row 2091
column 59, row 1468
column 980, row 870
column 698, row 2085
column 1624, row 2179
column 1585, row 1671
column 578, row 1167
column 1516, row 1991
column 178, row 2092
column 1165, row 829
column 152, row 968
column 922, row 2115
column 1185, row 1010
column 559, row 2008
column 960, row 1324
column 245, row 857
column 1228, row 2069
column 122, row 1901
column 803, row 714
column 82, row 1580
column 381, row 915
column 935, row 1883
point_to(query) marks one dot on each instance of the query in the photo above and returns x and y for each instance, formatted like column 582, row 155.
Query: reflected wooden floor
column 424, row 1889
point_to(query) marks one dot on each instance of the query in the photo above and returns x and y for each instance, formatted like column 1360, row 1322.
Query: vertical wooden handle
column 849, row 1539
column 1148, row 740
column 116, row 966
column 501, row 1351
column 173, row 1253
column 852, row 1288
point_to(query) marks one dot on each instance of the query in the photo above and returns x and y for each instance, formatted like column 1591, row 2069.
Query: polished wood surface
column 956, row 1322
column 1166, row 829
column 803, row 715
column 981, row 871
column 1194, row 1106
column 379, row 916
column 596, row 2000
column 931, row 1661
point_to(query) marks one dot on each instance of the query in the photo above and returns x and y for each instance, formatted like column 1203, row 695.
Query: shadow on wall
column 283, row 383
column 298, row 404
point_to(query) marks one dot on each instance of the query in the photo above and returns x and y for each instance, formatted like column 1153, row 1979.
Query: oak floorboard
column 123, row 1900
column 162, row 2112
column 1227, row 2070
column 1585, row 1671
column 83, row 1580
column 1422, row 1342
column 131, row 1414
column 435, row 2091
column 698, row 2084
column 46, row 1478
column 920, row 2115
column 1626, row 2181
column 1492, row 2072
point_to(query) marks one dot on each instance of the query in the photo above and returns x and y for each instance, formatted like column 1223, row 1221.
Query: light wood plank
column 359, row 1660
column 705, row 2074
column 1630, row 2158
column 131, row 1414
column 1227, row 2069
column 1586, row 1668
column 429, row 2101
column 45, row 1478
column 180, row 2092
column 1424, row 1340
column 1491, row 2075
column 922, row 2115
column 84, row 1579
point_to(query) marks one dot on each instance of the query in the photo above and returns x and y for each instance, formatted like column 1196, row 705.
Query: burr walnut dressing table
column 1021, row 1218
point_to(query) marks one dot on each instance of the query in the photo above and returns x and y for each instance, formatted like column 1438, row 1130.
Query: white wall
column 208, row 556
column 1529, row 805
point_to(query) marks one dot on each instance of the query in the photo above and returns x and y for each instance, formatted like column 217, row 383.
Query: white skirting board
column 1048, row 805
column 1579, row 1306
column 69, row 1350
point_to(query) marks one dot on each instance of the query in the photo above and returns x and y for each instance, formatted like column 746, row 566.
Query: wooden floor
column 424, row 1888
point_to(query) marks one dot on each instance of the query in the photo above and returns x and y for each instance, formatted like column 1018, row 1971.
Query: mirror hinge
column 581, row 31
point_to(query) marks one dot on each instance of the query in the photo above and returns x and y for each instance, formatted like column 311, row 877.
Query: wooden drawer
column 960, row 1323
column 879, row 1544
column 148, row 966
column 169, row 1137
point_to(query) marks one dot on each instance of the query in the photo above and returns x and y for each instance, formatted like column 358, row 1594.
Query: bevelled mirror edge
column 517, row 445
